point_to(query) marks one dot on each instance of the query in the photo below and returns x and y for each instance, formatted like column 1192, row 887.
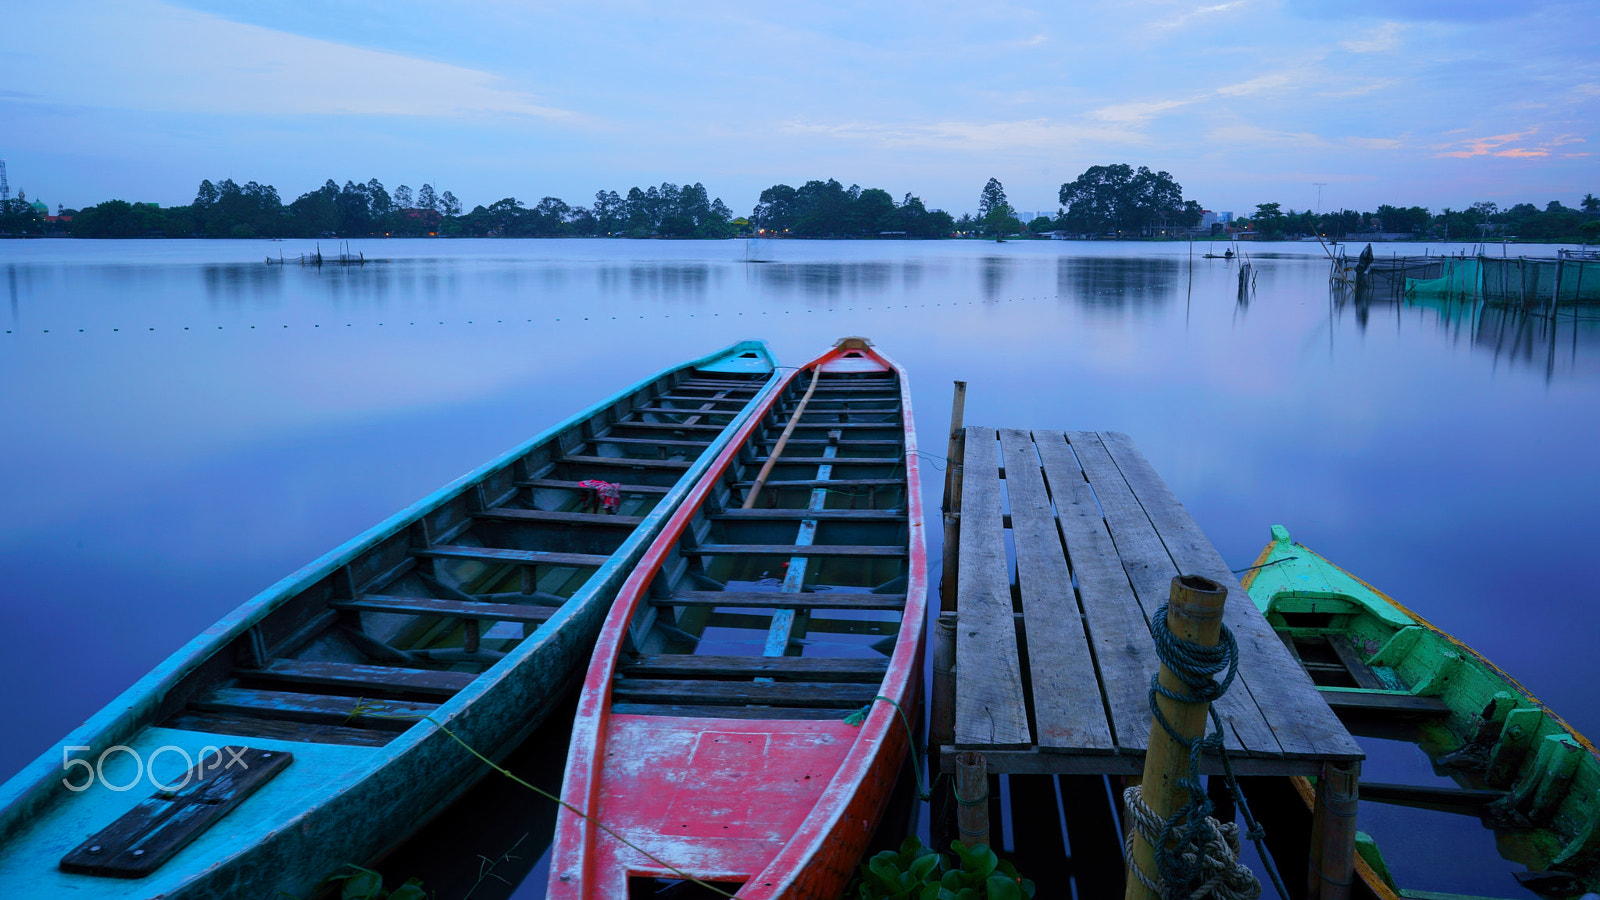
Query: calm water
column 184, row 425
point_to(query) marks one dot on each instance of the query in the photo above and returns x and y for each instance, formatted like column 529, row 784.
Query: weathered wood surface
column 1066, row 694
column 1098, row 538
column 770, row 599
column 1281, row 690
column 154, row 831
column 810, row 668
column 1150, row 570
column 990, row 707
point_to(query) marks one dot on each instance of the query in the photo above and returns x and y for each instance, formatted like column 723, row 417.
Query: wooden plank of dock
column 1066, row 695
column 990, row 707
column 1098, row 537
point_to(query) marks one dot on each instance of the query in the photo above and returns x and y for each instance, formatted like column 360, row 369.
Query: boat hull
column 779, row 804
column 1391, row 673
column 335, row 803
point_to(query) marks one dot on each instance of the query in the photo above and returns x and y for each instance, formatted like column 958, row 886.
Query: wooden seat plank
column 1123, row 648
column 808, row 550
column 456, row 609
column 145, row 837
column 790, row 460
column 559, row 517
column 1150, row 570
column 299, row 732
column 384, row 715
column 667, row 426
column 1281, row 690
column 773, row 599
column 809, row 668
column 990, row 708
column 1392, row 703
column 812, row 695
column 626, row 462
column 648, row 442
column 829, row 482
column 1068, row 709
column 565, row 485
column 360, row 677
column 821, row 515
column 520, row 557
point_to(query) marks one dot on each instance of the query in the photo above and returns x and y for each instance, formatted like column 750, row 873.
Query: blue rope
column 1195, row 666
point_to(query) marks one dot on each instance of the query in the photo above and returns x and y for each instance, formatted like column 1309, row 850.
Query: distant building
column 40, row 207
column 1225, row 218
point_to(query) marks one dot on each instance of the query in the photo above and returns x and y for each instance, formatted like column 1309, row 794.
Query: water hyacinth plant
column 916, row 872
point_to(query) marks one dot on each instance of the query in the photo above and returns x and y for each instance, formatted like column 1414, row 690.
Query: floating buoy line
column 408, row 323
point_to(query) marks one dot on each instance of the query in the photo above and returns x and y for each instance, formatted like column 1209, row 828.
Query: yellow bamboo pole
column 783, row 440
column 1194, row 614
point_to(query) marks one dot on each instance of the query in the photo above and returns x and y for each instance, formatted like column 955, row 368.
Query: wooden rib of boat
column 475, row 608
column 1388, row 672
column 713, row 734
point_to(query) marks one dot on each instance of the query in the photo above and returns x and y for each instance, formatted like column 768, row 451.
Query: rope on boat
column 1196, row 856
column 855, row 719
column 1263, row 565
column 363, row 707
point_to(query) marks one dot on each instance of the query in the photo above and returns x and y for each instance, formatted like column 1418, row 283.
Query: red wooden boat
column 787, row 592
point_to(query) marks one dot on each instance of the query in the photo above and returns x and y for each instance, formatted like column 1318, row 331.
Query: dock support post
column 942, row 711
column 972, row 798
column 1194, row 614
column 955, row 455
column 1333, row 833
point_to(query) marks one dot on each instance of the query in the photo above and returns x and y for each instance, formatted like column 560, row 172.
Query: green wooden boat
column 311, row 727
column 1388, row 673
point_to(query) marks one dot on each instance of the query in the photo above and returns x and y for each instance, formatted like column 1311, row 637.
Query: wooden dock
column 1053, row 650
column 1063, row 547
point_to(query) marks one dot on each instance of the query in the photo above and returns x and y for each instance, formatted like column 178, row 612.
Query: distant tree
column 992, row 198
column 777, row 209
column 1121, row 199
column 1590, row 204
column 402, row 197
column 449, row 205
column 426, row 199
column 610, row 213
column 1041, row 224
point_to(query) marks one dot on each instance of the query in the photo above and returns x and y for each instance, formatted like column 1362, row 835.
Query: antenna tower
column 1320, row 185
column 5, row 186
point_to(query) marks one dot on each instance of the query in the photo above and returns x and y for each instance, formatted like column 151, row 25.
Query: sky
column 1436, row 103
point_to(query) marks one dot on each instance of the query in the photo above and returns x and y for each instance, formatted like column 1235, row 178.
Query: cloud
column 1137, row 112
column 1201, row 12
column 1383, row 38
column 1497, row 145
column 1259, row 85
column 149, row 56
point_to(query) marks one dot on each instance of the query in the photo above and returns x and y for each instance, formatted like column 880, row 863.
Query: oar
column 783, row 439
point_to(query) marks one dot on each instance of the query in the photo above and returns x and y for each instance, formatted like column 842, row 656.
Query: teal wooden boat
column 1389, row 673
column 308, row 728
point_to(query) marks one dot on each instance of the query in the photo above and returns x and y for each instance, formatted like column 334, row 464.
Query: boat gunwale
column 575, row 836
column 37, row 785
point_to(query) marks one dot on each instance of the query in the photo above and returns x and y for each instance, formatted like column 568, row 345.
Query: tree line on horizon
column 1104, row 201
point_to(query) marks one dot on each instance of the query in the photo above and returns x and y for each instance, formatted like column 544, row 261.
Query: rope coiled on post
column 1196, row 856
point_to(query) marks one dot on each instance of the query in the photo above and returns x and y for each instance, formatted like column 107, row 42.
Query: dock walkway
column 1067, row 546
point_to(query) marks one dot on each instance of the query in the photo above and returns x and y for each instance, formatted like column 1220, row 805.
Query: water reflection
column 823, row 279
column 1117, row 282
column 11, row 278
column 1564, row 341
column 236, row 282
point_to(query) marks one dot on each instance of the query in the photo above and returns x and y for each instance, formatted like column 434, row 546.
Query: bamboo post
column 955, row 456
column 783, row 441
column 972, row 798
column 1333, row 833
column 1194, row 614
